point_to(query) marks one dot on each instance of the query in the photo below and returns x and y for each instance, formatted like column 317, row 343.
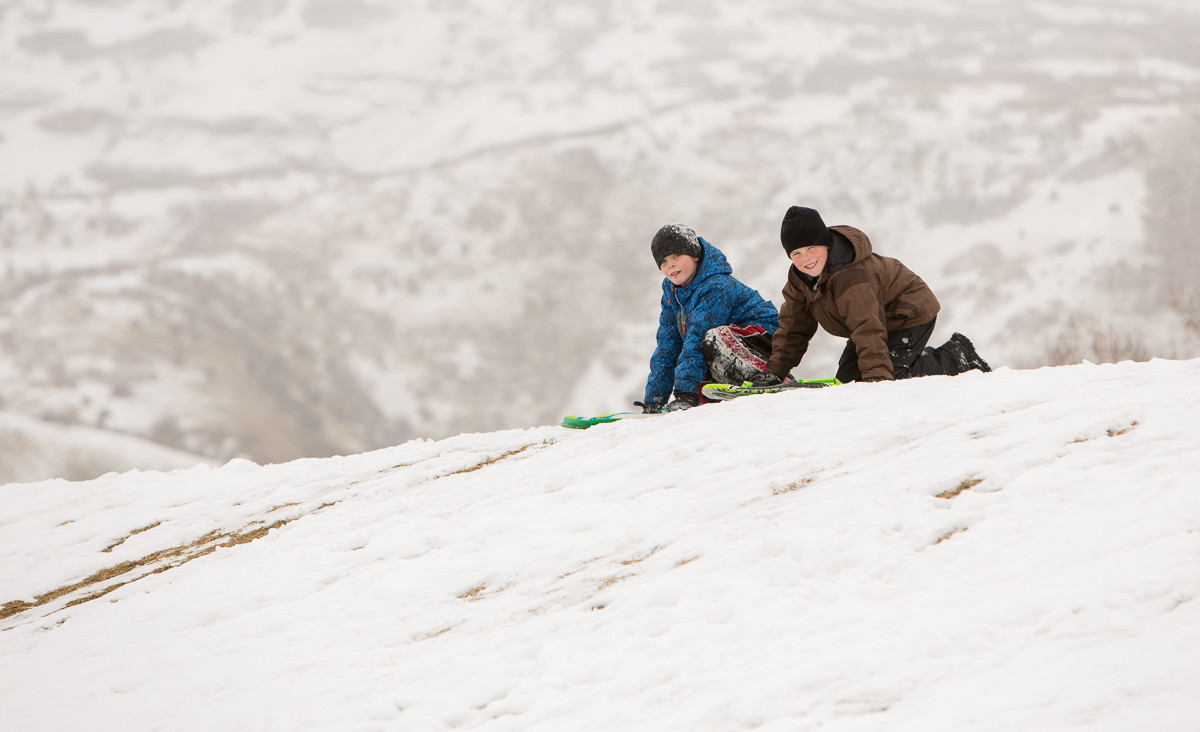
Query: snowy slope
column 247, row 228
column 1017, row 550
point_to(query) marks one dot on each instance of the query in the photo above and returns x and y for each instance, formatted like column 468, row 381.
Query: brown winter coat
column 862, row 301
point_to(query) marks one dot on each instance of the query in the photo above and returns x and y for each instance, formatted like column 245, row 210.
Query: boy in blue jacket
column 712, row 327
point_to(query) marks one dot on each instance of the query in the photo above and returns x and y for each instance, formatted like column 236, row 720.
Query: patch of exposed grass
column 610, row 581
column 488, row 462
column 482, row 591
column 947, row 535
column 435, row 633
column 1120, row 431
column 794, row 486
column 963, row 486
column 641, row 557
column 497, row 459
column 156, row 562
column 135, row 532
column 1111, row 432
column 473, row 593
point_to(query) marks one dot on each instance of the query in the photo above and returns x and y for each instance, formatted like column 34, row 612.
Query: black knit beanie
column 803, row 227
column 675, row 239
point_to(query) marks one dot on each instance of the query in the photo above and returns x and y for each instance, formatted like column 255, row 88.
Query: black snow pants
column 910, row 357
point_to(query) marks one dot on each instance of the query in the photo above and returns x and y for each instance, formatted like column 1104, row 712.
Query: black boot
column 964, row 351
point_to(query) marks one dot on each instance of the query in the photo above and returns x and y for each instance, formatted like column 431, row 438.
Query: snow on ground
column 1017, row 550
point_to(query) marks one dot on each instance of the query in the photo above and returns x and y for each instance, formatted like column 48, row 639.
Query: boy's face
column 810, row 260
column 679, row 268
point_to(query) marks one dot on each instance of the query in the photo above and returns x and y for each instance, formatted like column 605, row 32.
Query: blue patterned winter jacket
column 713, row 298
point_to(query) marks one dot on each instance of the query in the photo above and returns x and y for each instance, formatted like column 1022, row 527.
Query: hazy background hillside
column 285, row 228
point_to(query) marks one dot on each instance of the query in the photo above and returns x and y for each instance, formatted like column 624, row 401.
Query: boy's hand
column 684, row 400
column 765, row 378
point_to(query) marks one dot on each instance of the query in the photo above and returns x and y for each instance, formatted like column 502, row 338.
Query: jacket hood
column 714, row 262
column 859, row 240
column 860, row 249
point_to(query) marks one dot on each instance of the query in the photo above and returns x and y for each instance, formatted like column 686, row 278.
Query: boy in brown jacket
column 885, row 310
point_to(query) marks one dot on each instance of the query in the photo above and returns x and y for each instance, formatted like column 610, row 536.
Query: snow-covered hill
column 257, row 227
column 1016, row 550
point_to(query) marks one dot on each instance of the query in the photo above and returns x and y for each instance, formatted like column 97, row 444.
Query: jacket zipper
column 681, row 319
column 816, row 299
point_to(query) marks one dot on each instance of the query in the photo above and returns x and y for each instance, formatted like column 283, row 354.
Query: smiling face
column 810, row 260
column 679, row 268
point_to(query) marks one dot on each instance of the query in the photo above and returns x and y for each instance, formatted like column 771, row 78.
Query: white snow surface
column 1009, row 551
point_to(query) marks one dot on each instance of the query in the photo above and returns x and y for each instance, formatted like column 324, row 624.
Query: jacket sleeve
column 860, row 303
column 666, row 355
column 796, row 329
